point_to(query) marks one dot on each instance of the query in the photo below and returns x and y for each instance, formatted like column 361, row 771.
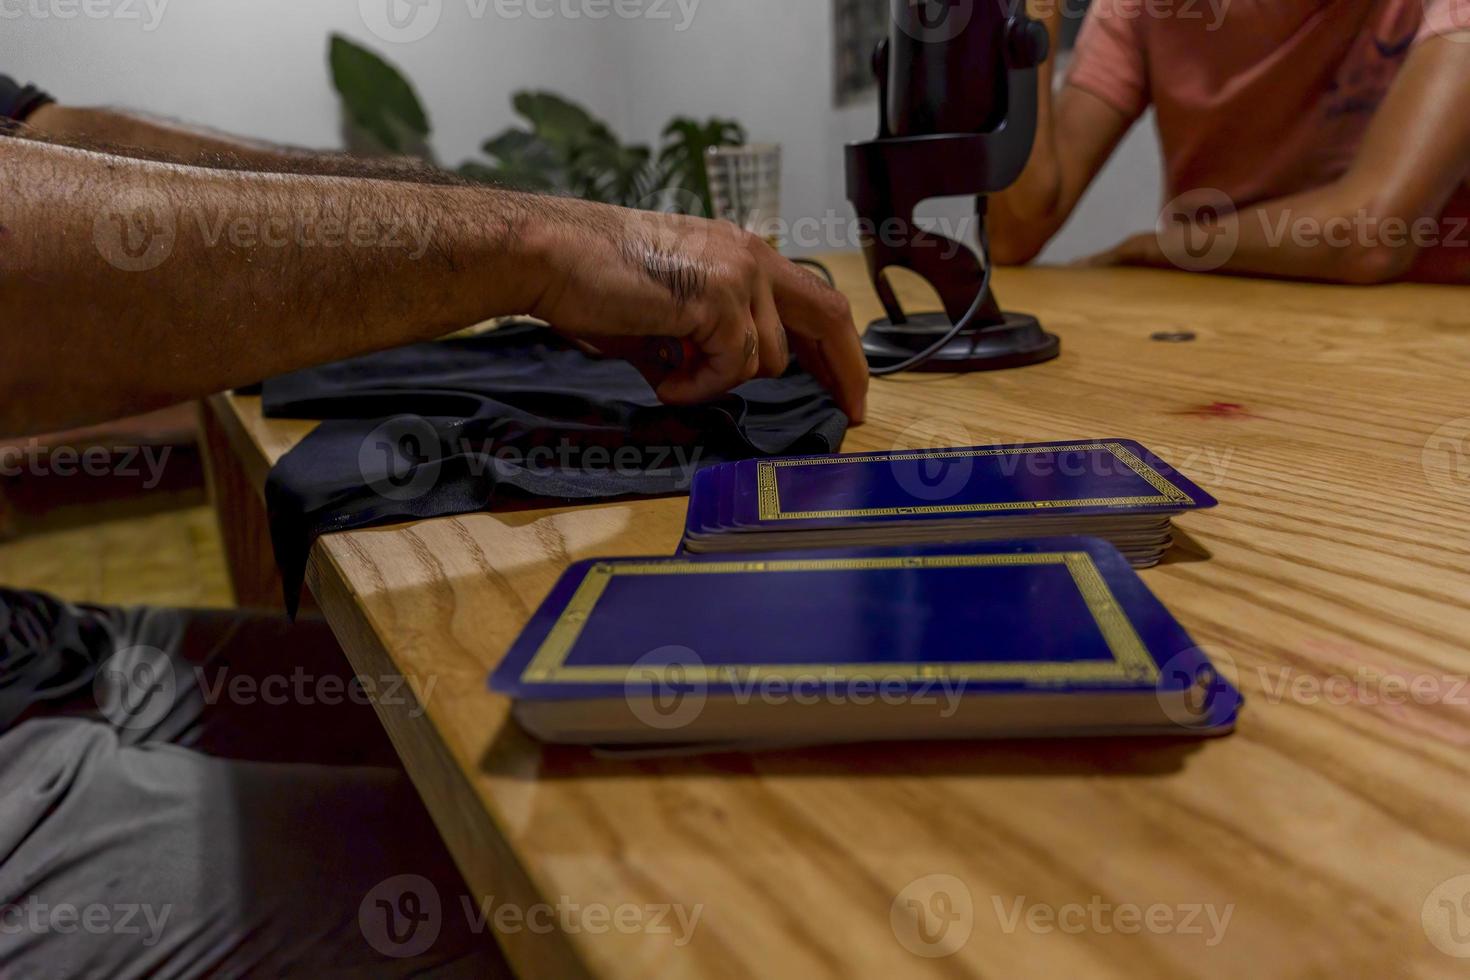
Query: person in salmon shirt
column 1325, row 140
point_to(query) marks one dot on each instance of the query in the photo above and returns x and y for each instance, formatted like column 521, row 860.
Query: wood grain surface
column 1332, row 582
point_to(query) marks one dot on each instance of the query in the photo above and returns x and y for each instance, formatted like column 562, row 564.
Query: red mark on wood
column 1219, row 410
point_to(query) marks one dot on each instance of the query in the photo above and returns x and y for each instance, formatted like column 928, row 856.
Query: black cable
column 947, row 339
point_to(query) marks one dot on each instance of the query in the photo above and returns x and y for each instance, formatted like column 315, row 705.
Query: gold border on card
column 769, row 492
column 1131, row 663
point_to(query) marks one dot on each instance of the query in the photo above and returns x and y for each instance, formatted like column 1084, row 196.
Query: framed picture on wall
column 861, row 24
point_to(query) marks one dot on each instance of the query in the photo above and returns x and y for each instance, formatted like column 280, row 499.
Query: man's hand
column 201, row 279
column 606, row 276
column 612, row 274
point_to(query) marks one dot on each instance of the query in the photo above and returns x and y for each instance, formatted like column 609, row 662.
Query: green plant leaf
column 378, row 99
column 615, row 174
column 520, row 160
column 515, row 144
column 681, row 162
column 525, row 159
column 566, row 149
column 559, row 121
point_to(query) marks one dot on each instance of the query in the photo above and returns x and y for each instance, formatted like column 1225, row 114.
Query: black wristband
column 17, row 102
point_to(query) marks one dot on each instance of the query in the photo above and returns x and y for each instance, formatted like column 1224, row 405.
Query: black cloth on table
column 511, row 417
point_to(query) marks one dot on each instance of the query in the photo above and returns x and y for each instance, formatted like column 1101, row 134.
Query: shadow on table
column 1118, row 757
column 1186, row 548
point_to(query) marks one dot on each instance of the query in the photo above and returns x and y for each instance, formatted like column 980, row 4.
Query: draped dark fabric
column 49, row 650
column 514, row 417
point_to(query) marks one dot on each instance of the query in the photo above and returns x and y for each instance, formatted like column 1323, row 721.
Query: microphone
column 957, row 116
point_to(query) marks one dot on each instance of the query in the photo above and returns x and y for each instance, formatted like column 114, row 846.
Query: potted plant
column 561, row 149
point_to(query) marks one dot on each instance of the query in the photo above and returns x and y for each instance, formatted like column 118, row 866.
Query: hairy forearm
column 129, row 134
column 115, row 128
column 127, row 285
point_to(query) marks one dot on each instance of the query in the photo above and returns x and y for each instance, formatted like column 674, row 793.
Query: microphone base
column 1017, row 342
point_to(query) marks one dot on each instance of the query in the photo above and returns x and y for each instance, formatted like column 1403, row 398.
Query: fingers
column 729, row 355
column 775, row 348
column 751, row 310
column 745, row 343
column 809, row 352
column 820, row 322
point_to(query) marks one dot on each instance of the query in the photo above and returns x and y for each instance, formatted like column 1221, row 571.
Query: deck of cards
column 944, row 593
column 1113, row 489
column 1052, row 637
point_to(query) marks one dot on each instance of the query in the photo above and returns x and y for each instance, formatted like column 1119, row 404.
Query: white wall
column 258, row 67
column 769, row 64
column 766, row 63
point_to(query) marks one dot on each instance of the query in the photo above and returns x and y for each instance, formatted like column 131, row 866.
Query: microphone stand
column 889, row 177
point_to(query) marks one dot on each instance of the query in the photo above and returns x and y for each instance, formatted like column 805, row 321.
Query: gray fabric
column 49, row 650
column 151, row 826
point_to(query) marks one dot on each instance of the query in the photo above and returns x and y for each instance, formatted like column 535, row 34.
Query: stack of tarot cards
column 1051, row 637
column 1113, row 489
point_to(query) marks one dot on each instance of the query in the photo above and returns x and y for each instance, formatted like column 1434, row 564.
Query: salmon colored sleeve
column 1445, row 17
column 1109, row 59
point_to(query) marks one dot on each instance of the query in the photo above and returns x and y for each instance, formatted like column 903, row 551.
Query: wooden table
column 1337, row 578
